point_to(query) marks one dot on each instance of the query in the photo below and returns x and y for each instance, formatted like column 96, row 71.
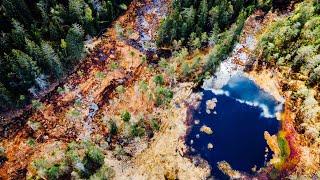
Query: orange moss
column 290, row 137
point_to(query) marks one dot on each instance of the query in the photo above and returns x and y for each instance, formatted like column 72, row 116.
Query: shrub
column 93, row 160
column 158, row 79
column 61, row 90
column 155, row 125
column 54, row 172
column 163, row 96
column 36, row 104
column 120, row 89
column 58, row 171
column 186, row 69
column 114, row 65
column 100, row 75
column 137, row 131
column 34, row 125
column 31, row 142
column 125, row 116
column 113, row 128
column 143, row 86
column 104, row 173
column 3, row 156
column 73, row 114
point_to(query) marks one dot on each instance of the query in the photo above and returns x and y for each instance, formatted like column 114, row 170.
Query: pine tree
column 76, row 10
column 35, row 52
column 46, row 57
column 88, row 20
column 42, row 5
column 23, row 70
column 226, row 12
column 57, row 14
column 52, row 61
column 75, row 45
column 189, row 15
column 213, row 18
column 4, row 43
column 18, row 35
column 18, row 9
column 6, row 100
column 203, row 14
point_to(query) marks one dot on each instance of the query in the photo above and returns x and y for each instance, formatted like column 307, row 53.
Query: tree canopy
column 41, row 39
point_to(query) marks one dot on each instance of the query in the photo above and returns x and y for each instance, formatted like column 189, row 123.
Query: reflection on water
column 241, row 115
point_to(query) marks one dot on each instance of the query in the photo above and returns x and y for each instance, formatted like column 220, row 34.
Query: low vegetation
column 294, row 42
column 78, row 160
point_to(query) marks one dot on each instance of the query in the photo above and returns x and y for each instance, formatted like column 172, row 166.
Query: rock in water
column 206, row 129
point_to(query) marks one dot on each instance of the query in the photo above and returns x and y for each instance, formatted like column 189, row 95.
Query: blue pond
column 243, row 112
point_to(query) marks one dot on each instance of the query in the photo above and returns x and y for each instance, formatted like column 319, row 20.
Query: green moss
column 31, row 142
column 284, row 147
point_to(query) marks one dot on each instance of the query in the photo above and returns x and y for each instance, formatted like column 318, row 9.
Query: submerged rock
column 227, row 169
column 211, row 104
column 206, row 129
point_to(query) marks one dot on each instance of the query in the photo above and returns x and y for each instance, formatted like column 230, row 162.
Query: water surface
column 243, row 112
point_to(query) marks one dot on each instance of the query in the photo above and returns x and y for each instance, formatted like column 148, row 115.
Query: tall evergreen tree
column 75, row 45
column 52, row 61
column 22, row 70
column 6, row 100
column 18, row 35
column 76, row 10
column 35, row 35
column 18, row 9
column 203, row 14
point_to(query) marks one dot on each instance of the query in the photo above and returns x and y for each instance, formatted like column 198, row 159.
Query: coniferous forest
column 41, row 41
